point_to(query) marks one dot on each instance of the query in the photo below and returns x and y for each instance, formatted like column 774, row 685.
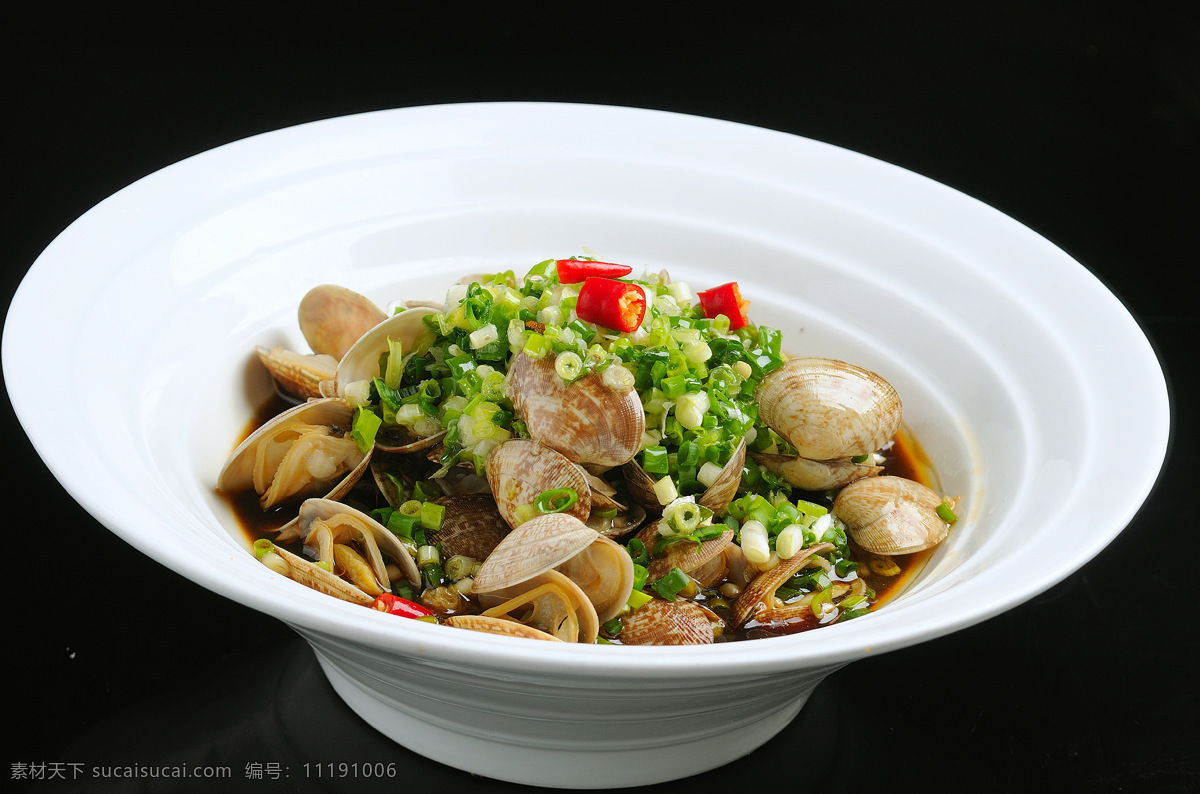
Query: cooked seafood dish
column 581, row 455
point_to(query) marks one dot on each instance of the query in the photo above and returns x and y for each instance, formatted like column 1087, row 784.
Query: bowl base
column 505, row 758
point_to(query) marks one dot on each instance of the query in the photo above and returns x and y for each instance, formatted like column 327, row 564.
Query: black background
column 1079, row 119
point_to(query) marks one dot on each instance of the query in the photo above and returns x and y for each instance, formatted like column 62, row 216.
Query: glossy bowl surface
column 1021, row 375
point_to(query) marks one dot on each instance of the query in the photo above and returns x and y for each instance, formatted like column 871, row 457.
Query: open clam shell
column 814, row 475
column 304, row 451
column 625, row 521
column 559, row 542
column 585, row 420
column 297, row 374
column 520, row 470
column 757, row 596
column 344, row 518
column 502, row 626
column 715, row 497
column 332, row 319
column 361, row 361
column 311, row 575
column 553, row 603
column 689, row 557
column 829, row 409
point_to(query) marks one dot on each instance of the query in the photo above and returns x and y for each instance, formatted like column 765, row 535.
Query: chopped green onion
column 556, row 501
column 755, row 543
column 432, row 515
column 946, row 513
column 654, row 460
column 665, row 490
column 262, row 547
column 366, row 423
column 568, row 365
column 637, row 599
column 394, row 372
column 671, row 584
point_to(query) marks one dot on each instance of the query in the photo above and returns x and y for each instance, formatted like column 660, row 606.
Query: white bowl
column 1021, row 375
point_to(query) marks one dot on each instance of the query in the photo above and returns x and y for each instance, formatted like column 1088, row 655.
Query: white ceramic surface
column 1000, row 344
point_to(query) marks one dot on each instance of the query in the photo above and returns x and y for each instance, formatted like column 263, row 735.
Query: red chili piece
column 573, row 271
column 395, row 605
column 613, row 304
column 727, row 300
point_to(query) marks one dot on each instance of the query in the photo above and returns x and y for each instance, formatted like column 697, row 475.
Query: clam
column 394, row 475
column 332, row 319
column 520, row 470
column 830, row 411
column 603, row 493
column 585, row 420
column 502, row 626
column 715, row 497
column 361, row 361
column 704, row 562
column 758, row 598
column 551, row 603
column 472, row 526
column 326, row 524
column 603, row 519
column 298, row 375
column 563, row 543
column 659, row 622
column 891, row 515
column 815, row 475
column 304, row 451
column 624, row 521
column 311, row 575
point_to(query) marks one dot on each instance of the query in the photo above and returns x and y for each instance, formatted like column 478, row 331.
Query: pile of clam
column 558, row 576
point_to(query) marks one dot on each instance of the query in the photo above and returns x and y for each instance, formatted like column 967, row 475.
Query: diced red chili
column 395, row 605
column 573, row 271
column 614, row 304
column 727, row 300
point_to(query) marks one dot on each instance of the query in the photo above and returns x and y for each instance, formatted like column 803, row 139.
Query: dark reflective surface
column 1081, row 121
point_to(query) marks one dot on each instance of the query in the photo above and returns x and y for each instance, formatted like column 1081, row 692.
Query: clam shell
column 520, row 470
column 402, row 441
column 237, row 475
column 586, row 421
column 753, row 599
column 715, row 497
column 550, row 542
column 306, row 573
column 557, row 603
column 332, row 318
column 659, row 622
column 891, row 515
column 501, row 626
column 388, row 543
column 297, row 374
column 472, row 526
column 604, row 571
column 685, row 555
column 815, row 475
column 361, row 361
column 829, row 409
column 624, row 522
